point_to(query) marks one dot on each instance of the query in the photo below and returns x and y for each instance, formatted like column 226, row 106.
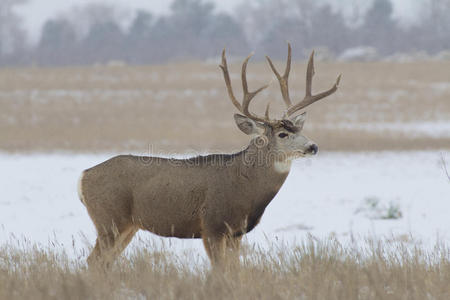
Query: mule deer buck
column 217, row 197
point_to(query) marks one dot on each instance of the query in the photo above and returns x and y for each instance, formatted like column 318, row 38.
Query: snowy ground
column 435, row 129
column 401, row 195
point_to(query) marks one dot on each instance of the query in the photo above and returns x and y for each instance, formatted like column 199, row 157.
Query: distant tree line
column 193, row 29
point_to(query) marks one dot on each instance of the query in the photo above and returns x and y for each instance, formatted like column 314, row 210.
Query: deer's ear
column 299, row 120
column 248, row 126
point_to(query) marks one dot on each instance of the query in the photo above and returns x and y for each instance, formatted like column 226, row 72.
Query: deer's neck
column 259, row 168
column 262, row 159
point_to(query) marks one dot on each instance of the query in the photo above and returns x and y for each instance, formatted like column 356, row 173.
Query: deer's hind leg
column 112, row 217
column 110, row 244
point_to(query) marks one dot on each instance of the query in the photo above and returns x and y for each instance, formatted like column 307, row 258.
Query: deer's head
column 283, row 136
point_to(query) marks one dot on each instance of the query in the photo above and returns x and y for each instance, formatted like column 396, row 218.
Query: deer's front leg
column 215, row 247
column 232, row 250
column 233, row 244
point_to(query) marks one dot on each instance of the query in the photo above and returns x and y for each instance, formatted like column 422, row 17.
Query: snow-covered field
column 401, row 195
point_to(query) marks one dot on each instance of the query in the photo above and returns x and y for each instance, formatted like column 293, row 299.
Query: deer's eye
column 283, row 135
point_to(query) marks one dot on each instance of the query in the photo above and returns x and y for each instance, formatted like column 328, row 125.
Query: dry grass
column 312, row 270
column 185, row 106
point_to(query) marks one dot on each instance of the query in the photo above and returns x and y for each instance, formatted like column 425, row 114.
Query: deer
column 218, row 197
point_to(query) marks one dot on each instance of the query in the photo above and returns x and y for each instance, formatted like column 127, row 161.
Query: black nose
column 313, row 149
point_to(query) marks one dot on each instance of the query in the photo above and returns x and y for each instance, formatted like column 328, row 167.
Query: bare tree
column 263, row 18
column 138, row 39
column 58, row 44
column 436, row 25
column 304, row 23
column 12, row 34
column 379, row 28
column 194, row 29
column 83, row 18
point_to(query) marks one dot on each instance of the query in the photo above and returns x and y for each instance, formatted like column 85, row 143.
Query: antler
column 283, row 80
column 309, row 97
column 248, row 96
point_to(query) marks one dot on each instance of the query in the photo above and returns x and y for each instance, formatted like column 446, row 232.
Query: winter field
column 367, row 218
column 402, row 196
column 368, row 224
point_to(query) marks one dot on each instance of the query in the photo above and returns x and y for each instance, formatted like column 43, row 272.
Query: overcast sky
column 37, row 11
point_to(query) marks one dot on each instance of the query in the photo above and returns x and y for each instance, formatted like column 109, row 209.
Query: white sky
column 36, row 12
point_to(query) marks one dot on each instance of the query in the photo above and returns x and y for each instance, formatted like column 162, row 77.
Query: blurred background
column 123, row 75
column 82, row 80
column 61, row 33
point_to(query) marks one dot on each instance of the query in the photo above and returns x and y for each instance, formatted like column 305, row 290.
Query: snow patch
column 39, row 200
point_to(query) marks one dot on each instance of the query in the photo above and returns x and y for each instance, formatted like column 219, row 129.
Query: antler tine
column 244, row 75
column 226, row 76
column 309, row 75
column 266, row 114
column 309, row 97
column 248, row 96
column 283, row 80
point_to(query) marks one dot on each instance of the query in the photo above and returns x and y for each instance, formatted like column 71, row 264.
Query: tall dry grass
column 184, row 106
column 314, row 269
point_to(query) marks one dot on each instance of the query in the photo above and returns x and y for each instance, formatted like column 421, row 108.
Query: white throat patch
column 283, row 166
